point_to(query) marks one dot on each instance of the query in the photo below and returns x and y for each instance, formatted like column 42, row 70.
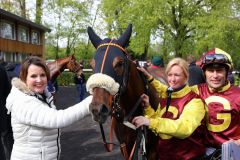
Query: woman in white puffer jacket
column 35, row 120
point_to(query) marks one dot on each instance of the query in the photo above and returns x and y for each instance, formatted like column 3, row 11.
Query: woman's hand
column 145, row 72
column 145, row 100
column 140, row 121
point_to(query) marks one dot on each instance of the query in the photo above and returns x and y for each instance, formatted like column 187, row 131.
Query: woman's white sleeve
column 39, row 114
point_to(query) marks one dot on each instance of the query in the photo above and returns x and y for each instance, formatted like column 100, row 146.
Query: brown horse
column 58, row 66
column 116, row 86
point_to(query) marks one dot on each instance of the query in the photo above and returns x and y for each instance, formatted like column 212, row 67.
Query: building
column 20, row 38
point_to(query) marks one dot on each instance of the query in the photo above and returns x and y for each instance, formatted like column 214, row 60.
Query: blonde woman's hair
column 179, row 62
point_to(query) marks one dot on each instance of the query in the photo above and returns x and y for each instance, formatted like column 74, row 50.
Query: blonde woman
column 178, row 121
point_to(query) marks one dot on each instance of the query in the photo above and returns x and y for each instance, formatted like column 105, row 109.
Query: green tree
column 181, row 27
column 22, row 4
column 39, row 11
column 70, row 16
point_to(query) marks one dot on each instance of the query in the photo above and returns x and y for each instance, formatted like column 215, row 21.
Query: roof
column 23, row 20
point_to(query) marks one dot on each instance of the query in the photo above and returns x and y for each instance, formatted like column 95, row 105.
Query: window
column 7, row 30
column 35, row 37
column 23, row 34
column 1, row 56
column 8, row 57
column 23, row 56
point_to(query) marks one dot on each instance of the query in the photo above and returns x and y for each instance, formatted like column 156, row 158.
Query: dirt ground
column 82, row 140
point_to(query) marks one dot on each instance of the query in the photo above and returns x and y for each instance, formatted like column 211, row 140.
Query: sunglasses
column 215, row 58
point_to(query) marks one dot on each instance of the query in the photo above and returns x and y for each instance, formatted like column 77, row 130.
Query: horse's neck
column 135, row 88
column 57, row 67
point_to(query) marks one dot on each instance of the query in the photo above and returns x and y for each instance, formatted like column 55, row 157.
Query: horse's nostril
column 104, row 110
column 94, row 111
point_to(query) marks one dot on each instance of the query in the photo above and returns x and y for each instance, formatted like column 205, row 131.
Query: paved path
column 82, row 140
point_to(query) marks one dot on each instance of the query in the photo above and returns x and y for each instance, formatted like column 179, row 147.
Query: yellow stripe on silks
column 149, row 111
column 160, row 88
column 195, row 89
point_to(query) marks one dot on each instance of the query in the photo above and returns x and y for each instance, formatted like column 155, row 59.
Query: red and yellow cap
column 216, row 56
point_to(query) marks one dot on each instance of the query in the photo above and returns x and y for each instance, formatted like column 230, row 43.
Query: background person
column 6, row 140
column 35, row 120
column 195, row 72
column 156, row 69
column 179, row 119
column 80, row 82
column 222, row 99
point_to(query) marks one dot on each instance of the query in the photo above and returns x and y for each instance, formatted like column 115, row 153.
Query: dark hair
column 216, row 66
column 35, row 61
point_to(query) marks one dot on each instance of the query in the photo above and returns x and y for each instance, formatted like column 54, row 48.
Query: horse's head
column 73, row 65
column 116, row 86
column 110, row 65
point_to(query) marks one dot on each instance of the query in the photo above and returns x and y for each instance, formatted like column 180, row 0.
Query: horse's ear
column 124, row 39
column 94, row 38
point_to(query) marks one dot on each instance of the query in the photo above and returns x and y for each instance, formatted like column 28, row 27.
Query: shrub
column 66, row 78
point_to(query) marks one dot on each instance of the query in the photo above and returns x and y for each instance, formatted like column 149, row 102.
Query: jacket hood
column 21, row 86
column 18, row 89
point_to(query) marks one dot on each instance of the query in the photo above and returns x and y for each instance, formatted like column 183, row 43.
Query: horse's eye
column 119, row 68
column 119, row 64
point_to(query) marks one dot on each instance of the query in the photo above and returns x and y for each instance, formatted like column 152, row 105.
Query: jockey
column 222, row 98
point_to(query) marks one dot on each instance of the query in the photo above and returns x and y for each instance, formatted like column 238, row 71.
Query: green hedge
column 66, row 78
column 237, row 80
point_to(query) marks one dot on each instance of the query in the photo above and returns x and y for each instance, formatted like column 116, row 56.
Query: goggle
column 215, row 58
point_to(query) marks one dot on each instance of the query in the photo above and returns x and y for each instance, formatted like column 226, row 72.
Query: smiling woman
column 35, row 120
column 178, row 121
column 35, row 74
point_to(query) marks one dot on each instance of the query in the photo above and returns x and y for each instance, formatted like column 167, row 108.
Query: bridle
column 117, row 111
column 76, row 68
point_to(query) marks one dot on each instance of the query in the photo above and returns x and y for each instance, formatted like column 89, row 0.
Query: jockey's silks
column 223, row 113
column 182, row 128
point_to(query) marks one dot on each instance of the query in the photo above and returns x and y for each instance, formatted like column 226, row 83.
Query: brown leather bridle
column 76, row 68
